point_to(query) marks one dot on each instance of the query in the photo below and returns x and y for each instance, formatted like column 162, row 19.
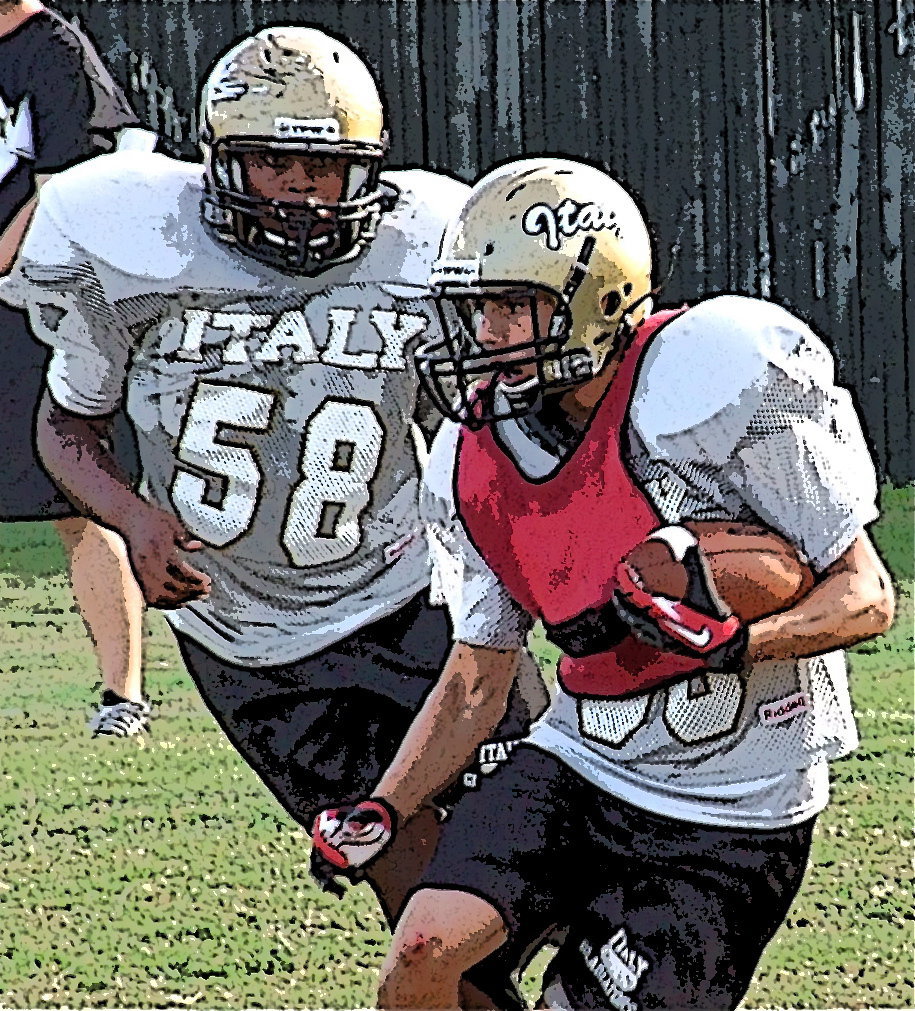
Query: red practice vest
column 555, row 543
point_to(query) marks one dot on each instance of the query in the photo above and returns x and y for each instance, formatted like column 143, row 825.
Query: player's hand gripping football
column 157, row 542
column 348, row 837
column 700, row 625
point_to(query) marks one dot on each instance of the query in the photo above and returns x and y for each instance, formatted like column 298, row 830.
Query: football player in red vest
column 660, row 813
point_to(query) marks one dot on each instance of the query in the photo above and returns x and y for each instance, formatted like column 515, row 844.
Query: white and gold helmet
column 533, row 226
column 293, row 90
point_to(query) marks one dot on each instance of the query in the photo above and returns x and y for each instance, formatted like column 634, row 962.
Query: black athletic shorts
column 322, row 730
column 26, row 490
column 650, row 912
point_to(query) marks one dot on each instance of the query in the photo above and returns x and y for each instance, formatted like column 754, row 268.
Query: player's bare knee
column 418, row 966
column 419, row 951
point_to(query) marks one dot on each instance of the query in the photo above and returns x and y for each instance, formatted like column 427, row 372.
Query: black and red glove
column 701, row 625
column 347, row 837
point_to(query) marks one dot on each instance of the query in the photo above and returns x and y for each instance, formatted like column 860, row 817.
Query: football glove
column 347, row 837
column 700, row 625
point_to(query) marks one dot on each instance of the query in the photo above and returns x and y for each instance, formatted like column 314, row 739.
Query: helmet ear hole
column 610, row 303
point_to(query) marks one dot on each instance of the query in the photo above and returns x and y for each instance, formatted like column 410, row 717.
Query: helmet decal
column 227, row 87
column 287, row 128
column 567, row 219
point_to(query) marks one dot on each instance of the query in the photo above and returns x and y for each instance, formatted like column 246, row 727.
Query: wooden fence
column 772, row 141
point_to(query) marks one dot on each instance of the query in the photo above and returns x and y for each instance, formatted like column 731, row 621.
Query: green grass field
column 159, row 873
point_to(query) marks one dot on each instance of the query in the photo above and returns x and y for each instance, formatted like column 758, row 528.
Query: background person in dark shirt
column 59, row 105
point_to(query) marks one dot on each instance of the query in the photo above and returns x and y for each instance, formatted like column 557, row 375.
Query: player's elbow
column 477, row 696
column 873, row 602
column 881, row 606
column 863, row 594
column 486, row 677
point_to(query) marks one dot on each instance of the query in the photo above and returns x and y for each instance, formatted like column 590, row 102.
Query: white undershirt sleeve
column 482, row 612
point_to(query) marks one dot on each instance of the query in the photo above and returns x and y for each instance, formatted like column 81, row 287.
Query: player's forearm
column 75, row 452
column 852, row 602
column 460, row 712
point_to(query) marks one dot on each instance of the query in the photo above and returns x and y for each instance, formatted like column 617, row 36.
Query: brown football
column 756, row 571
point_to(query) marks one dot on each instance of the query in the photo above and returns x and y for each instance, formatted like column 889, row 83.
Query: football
column 756, row 571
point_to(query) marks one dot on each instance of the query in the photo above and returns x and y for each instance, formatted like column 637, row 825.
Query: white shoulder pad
column 716, row 357
column 433, row 195
column 125, row 210
column 428, row 201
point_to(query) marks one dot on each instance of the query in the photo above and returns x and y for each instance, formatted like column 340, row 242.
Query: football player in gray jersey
column 663, row 829
column 258, row 314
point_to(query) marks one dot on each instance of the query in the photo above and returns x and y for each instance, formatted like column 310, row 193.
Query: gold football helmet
column 537, row 226
column 293, row 90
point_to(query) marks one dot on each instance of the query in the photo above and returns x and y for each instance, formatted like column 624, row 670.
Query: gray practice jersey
column 273, row 411
column 735, row 415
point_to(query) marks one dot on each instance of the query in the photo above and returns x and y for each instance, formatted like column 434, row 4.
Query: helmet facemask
column 471, row 384
column 302, row 236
